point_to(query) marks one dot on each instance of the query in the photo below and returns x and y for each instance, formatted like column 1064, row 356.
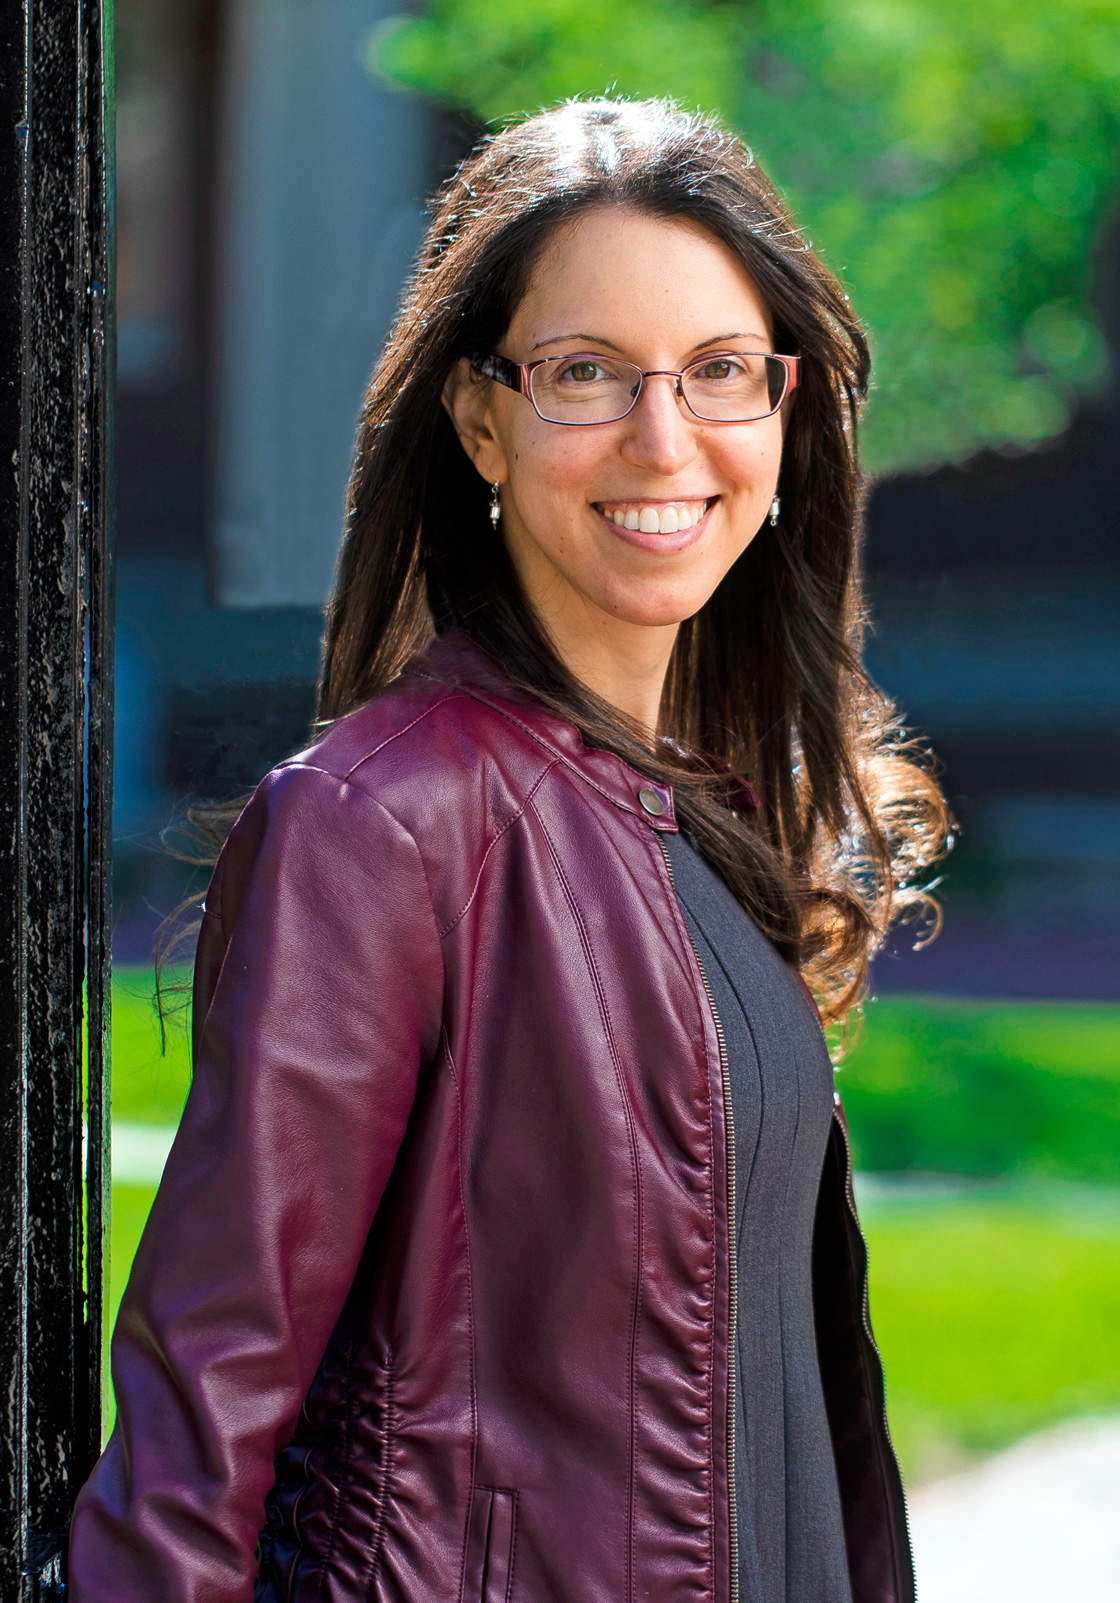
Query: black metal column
column 56, row 359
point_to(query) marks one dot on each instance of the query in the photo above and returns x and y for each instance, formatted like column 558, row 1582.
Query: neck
column 623, row 663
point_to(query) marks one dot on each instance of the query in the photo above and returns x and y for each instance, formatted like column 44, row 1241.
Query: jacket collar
column 455, row 659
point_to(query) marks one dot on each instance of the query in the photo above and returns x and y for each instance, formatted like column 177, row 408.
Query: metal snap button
column 651, row 801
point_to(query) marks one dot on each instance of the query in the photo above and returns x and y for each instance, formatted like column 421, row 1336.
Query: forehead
column 624, row 275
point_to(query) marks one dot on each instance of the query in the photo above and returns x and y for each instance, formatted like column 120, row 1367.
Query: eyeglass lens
column 597, row 389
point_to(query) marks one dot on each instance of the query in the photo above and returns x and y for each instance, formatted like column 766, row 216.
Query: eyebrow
column 597, row 339
column 592, row 339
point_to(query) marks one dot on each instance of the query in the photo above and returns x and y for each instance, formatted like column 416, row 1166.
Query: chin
column 655, row 611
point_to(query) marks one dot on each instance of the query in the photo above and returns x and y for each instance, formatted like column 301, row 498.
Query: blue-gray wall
column 323, row 180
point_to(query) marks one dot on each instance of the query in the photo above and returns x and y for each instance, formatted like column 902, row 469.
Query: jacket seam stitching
column 635, row 1160
column 374, row 801
column 452, row 695
column 343, row 780
column 557, row 755
column 387, row 1434
column 509, row 823
column 465, row 693
column 512, row 1547
column 297, row 762
column 344, row 1468
column 470, row 1317
column 704, row 1009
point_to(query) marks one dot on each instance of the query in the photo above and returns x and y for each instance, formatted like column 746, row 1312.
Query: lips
column 633, row 523
column 654, row 517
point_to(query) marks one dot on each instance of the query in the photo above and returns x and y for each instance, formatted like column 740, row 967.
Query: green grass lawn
column 996, row 1315
column 986, row 1088
column 996, row 1306
column 151, row 1069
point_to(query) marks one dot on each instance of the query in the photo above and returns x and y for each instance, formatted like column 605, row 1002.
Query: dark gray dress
column 790, row 1532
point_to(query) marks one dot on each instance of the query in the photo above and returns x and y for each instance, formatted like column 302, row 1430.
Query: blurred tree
column 953, row 161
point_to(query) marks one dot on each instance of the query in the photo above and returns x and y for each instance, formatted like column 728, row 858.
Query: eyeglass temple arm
column 513, row 375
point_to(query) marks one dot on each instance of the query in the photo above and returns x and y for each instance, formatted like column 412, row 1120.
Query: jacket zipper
column 733, row 1264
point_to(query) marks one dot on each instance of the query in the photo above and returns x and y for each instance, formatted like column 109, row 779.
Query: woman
column 506, row 1250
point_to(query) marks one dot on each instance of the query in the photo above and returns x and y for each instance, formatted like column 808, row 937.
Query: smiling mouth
column 661, row 517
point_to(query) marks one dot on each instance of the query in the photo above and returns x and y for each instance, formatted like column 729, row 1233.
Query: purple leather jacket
column 433, row 1300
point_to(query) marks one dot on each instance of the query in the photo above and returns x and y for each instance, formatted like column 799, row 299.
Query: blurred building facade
column 997, row 592
column 270, row 201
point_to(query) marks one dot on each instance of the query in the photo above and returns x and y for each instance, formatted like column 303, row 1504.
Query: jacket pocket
column 489, row 1577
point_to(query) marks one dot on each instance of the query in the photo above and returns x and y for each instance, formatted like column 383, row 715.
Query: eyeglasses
column 729, row 387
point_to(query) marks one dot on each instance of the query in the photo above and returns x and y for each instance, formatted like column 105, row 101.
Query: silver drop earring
column 495, row 504
column 775, row 512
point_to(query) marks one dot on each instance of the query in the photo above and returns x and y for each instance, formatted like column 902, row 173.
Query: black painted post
column 56, row 363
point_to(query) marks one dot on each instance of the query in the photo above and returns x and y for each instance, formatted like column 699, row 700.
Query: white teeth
column 658, row 520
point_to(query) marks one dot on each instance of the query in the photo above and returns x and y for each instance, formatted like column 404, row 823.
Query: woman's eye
column 719, row 368
column 582, row 372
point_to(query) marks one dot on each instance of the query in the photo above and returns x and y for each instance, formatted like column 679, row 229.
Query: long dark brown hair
column 766, row 681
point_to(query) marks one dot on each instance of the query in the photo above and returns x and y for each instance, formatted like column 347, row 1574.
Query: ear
column 466, row 398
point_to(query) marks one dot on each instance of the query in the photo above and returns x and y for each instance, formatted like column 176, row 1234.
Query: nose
column 659, row 431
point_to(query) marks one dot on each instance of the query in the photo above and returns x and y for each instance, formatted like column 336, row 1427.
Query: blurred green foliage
column 1025, row 1089
column 952, row 161
column 151, row 1066
column 996, row 1316
column 131, row 1205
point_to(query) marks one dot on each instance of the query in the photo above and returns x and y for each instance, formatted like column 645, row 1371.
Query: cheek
column 751, row 461
column 551, row 464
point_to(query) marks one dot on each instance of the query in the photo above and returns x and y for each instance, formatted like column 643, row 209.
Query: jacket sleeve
column 318, row 999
